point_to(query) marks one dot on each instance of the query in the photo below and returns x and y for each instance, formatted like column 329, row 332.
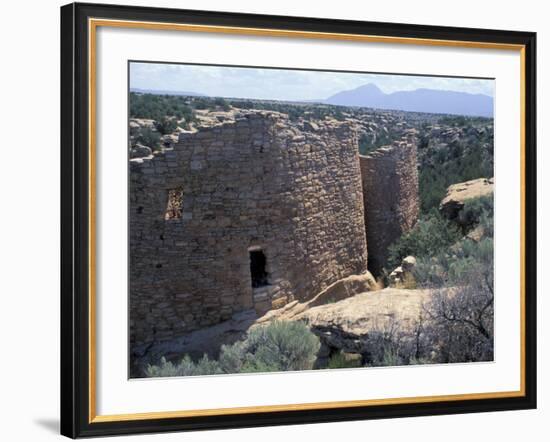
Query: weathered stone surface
column 210, row 339
column 208, row 118
column 408, row 263
column 142, row 122
column 347, row 325
column 341, row 289
column 476, row 234
column 390, row 192
column 169, row 140
column 402, row 275
column 254, row 180
column 134, row 127
column 258, row 182
column 207, row 340
column 458, row 193
column 140, row 151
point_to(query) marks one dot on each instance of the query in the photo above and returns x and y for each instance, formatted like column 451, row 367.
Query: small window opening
column 174, row 205
column 257, row 269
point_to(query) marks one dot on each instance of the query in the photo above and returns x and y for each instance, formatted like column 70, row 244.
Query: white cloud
column 284, row 84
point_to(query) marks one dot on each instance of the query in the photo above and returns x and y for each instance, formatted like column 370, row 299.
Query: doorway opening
column 257, row 269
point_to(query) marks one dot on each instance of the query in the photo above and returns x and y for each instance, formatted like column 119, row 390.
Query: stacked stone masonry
column 390, row 191
column 257, row 186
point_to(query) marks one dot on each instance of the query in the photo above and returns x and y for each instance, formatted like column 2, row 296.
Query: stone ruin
column 390, row 191
column 256, row 213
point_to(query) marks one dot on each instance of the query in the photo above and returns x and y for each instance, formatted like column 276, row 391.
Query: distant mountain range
column 420, row 100
column 156, row 92
column 432, row 101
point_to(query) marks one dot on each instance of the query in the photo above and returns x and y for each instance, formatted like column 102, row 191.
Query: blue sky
column 279, row 84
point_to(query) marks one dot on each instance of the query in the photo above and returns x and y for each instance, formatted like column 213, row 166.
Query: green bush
column 431, row 235
column 465, row 260
column 443, row 162
column 221, row 102
column 366, row 146
column 186, row 367
column 455, row 264
column 148, row 137
column 156, row 107
column 166, row 125
column 280, row 346
column 443, row 255
column 471, row 257
column 338, row 360
column 461, row 314
column 477, row 211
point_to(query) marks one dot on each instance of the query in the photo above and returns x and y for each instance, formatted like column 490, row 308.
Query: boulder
column 311, row 126
column 140, row 151
column 142, row 122
column 408, row 263
column 345, row 288
column 396, row 276
column 402, row 276
column 458, row 193
column 134, row 127
column 351, row 325
column 341, row 289
column 169, row 140
column 476, row 234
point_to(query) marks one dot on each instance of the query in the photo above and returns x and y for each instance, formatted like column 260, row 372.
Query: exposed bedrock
column 360, row 325
column 210, row 339
column 350, row 316
column 458, row 194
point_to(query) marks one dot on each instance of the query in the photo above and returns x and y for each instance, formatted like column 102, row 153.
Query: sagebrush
column 279, row 346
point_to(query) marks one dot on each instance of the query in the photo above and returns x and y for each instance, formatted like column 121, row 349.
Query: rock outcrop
column 210, row 339
column 347, row 317
column 349, row 325
column 402, row 276
column 140, row 151
column 458, row 193
column 341, row 289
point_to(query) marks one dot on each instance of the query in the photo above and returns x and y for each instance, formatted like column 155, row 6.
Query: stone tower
column 390, row 191
column 247, row 214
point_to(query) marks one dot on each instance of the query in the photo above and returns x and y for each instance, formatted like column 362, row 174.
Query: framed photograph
column 274, row 220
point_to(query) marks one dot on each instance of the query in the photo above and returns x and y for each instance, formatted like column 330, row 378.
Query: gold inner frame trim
column 93, row 24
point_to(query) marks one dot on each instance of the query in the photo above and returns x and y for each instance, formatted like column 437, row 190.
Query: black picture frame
column 75, row 221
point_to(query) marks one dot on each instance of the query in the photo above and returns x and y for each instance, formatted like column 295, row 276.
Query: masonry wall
column 260, row 183
column 390, row 189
